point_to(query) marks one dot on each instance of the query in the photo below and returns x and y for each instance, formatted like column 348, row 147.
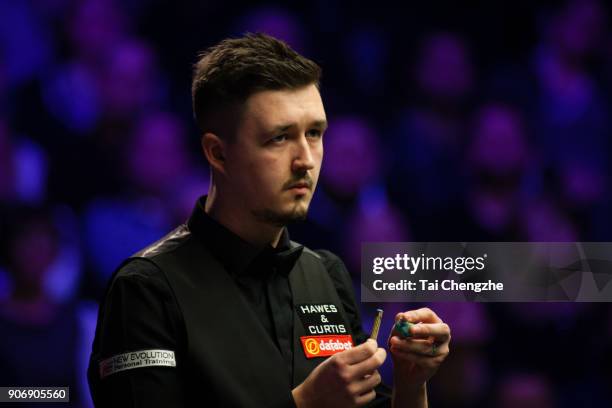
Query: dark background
column 449, row 121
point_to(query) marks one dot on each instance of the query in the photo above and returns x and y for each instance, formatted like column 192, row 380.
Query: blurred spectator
column 352, row 157
column 131, row 83
column 275, row 21
column 572, row 124
column 158, row 174
column 23, row 169
column 70, row 93
column 430, row 135
column 499, row 165
column 374, row 220
column 466, row 381
column 541, row 220
column 38, row 332
column 95, row 29
column 26, row 46
column 351, row 165
column 367, row 57
column 444, row 71
column 155, row 158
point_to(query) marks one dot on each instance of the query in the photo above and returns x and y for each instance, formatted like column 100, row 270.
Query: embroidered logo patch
column 136, row 359
column 324, row 346
column 321, row 318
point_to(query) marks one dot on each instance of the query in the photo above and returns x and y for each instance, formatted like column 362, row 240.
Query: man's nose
column 303, row 159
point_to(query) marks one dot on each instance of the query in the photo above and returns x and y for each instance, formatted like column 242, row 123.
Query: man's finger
column 365, row 398
column 365, row 367
column 439, row 331
column 358, row 354
column 424, row 314
column 366, row 384
column 423, row 348
column 424, row 362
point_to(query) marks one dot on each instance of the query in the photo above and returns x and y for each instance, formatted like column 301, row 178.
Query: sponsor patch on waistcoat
column 321, row 319
column 136, row 359
column 324, row 346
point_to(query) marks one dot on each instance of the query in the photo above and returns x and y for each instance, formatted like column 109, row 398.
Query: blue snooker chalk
column 402, row 326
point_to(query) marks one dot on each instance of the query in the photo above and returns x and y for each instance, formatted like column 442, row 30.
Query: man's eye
column 278, row 139
column 314, row 133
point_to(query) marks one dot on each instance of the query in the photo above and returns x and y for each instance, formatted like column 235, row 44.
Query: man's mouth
column 303, row 183
column 300, row 187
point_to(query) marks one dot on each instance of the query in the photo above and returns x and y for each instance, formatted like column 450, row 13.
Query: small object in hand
column 402, row 326
column 376, row 326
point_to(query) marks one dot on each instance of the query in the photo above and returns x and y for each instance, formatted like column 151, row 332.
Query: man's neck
column 245, row 225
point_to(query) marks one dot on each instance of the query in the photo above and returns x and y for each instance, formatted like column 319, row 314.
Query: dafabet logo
column 324, row 346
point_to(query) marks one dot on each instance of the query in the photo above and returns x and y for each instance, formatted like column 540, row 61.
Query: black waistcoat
column 230, row 360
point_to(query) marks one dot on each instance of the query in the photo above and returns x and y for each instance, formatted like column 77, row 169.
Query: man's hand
column 417, row 358
column 346, row 379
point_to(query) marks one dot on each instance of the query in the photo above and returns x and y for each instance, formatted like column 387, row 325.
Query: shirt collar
column 235, row 254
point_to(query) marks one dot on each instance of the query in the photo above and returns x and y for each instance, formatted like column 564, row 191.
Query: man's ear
column 214, row 150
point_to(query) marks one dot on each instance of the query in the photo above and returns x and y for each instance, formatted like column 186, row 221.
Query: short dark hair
column 226, row 74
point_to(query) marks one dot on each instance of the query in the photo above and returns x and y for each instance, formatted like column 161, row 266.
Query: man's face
column 273, row 165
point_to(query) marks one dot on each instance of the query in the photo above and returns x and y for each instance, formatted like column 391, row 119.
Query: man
column 226, row 310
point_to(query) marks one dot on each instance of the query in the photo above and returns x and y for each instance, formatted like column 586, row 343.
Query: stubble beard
column 297, row 213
